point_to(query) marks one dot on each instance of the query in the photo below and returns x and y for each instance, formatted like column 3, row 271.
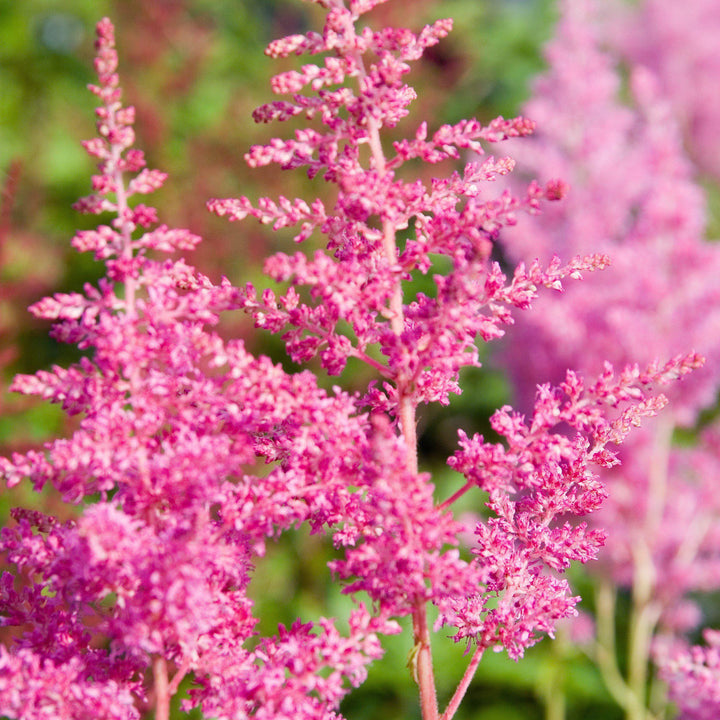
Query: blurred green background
column 194, row 70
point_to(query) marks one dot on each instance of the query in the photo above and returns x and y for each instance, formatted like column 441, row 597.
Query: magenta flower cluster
column 660, row 295
column 190, row 452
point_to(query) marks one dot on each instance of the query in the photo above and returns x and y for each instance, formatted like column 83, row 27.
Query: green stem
column 605, row 651
column 553, row 690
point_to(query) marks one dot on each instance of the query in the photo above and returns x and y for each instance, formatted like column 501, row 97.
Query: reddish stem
column 178, row 677
column 455, row 496
column 162, row 690
column 461, row 689
column 424, row 664
column 407, row 418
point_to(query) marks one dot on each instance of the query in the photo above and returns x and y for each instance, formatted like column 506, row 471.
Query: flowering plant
column 662, row 516
column 190, row 452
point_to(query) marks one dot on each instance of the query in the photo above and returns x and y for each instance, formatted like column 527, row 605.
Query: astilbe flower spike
column 152, row 579
column 395, row 541
column 660, row 295
column 678, row 43
column 693, row 678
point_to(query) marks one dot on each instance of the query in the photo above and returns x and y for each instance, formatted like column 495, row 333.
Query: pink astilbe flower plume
column 152, row 577
column 395, row 534
column 660, row 294
column 170, row 414
column 678, row 42
column 659, row 297
column 693, row 678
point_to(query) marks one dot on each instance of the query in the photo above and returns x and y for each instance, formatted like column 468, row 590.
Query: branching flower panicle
column 149, row 584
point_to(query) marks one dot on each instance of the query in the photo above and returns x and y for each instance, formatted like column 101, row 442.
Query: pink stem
column 455, row 496
column 425, row 673
column 454, row 703
column 162, row 690
column 407, row 417
column 178, row 677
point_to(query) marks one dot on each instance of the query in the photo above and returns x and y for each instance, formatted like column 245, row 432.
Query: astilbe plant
column 678, row 42
column 693, row 678
column 651, row 224
column 661, row 294
column 149, row 583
